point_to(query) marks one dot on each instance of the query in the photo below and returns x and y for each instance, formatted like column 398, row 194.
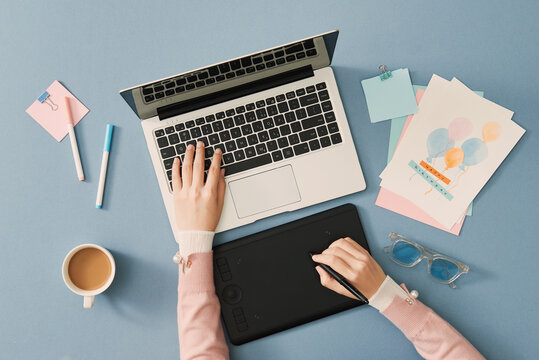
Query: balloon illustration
column 460, row 128
column 491, row 131
column 475, row 151
column 453, row 157
column 437, row 143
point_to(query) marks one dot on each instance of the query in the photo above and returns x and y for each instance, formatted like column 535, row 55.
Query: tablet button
column 232, row 294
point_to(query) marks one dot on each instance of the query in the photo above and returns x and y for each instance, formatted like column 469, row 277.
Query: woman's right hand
column 352, row 261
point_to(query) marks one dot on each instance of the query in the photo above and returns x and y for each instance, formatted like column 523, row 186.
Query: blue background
column 96, row 48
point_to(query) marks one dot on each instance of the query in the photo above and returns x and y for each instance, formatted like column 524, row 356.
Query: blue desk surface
column 97, row 48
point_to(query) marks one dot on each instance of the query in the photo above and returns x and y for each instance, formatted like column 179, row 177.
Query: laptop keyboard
column 229, row 70
column 258, row 133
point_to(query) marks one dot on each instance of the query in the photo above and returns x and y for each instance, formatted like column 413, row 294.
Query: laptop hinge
column 252, row 87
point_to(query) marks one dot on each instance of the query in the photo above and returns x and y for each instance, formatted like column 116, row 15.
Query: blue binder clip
column 46, row 99
column 384, row 72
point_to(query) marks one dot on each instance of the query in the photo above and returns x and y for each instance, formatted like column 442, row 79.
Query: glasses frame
column 426, row 253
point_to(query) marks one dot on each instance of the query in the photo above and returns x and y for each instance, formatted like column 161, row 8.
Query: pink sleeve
column 199, row 325
column 431, row 335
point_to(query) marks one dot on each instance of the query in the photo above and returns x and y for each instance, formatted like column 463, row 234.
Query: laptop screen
column 315, row 52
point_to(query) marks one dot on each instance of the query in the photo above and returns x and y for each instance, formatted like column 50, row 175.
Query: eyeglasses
column 408, row 253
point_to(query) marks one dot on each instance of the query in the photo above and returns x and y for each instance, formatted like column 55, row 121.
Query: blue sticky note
column 390, row 98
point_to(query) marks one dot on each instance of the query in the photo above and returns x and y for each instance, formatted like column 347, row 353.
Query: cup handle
column 88, row 302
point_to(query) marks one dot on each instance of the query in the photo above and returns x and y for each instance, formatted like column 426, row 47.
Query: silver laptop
column 276, row 115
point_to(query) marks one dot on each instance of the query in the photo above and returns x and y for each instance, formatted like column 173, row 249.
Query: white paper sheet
column 455, row 143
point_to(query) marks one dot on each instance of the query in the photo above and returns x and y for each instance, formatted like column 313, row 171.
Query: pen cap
column 108, row 137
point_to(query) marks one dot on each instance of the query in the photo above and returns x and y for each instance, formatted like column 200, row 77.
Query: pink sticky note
column 396, row 203
column 51, row 115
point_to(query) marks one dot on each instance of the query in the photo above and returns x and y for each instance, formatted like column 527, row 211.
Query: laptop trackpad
column 264, row 191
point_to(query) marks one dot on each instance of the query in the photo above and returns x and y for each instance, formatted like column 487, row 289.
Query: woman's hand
column 349, row 259
column 198, row 205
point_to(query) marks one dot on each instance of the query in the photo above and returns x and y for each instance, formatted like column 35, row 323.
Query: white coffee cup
column 89, row 295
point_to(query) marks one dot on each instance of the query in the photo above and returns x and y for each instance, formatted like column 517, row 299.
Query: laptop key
column 261, row 149
column 282, row 106
column 228, row 122
column 239, row 119
column 230, row 112
column 282, row 142
column 208, row 152
column 290, row 95
column 257, row 126
column 238, row 155
column 250, row 69
column 169, row 174
column 278, row 120
column 204, row 140
column 322, row 131
column 147, row 91
column 214, row 139
column 293, row 139
column 330, row 117
column 252, row 139
column 224, row 68
column 272, row 145
column 190, row 124
column 285, row 130
column 241, row 142
column 301, row 113
column 235, row 132
column 336, row 138
column 248, row 164
column 230, row 145
column 218, row 126
column 300, row 55
column 293, row 104
column 268, row 123
column 294, row 48
column 308, row 99
column 260, row 67
column 288, row 152
column 250, row 151
column 181, row 81
column 159, row 132
column 159, row 88
column 300, row 92
column 272, row 110
column 180, row 149
column 250, row 106
column 274, row 133
column 230, row 75
column 277, row 155
column 220, row 78
column 326, row 106
column 314, row 110
column 169, row 130
column 310, row 89
column 228, row 158
column 246, row 61
column 290, row 58
column 290, row 117
column 220, row 146
column 240, row 109
column 195, row 132
column 220, row 115
column 308, row 44
column 311, row 52
column 225, row 135
column 149, row 98
column 296, row 126
column 184, row 135
column 323, row 95
column 180, row 89
column 263, row 136
column 169, row 92
column 168, row 163
column 333, row 127
column 270, row 101
column 314, row 144
column 168, row 152
column 280, row 61
column 325, row 141
column 179, row 127
column 200, row 121
column 280, row 98
column 162, row 142
column 307, row 135
column 173, row 139
column 301, row 149
column 250, row 116
column 214, row 70
column 235, row 64
column 206, row 129
column 261, row 113
column 312, row 122
column 246, row 129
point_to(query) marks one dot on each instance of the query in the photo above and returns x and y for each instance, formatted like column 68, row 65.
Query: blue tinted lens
column 443, row 269
column 405, row 253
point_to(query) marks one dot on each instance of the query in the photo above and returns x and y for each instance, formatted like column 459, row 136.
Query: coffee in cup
column 88, row 270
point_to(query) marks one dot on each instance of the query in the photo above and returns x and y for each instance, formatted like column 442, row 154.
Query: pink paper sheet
column 54, row 121
column 396, row 203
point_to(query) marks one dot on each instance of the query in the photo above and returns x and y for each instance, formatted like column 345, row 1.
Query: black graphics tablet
column 267, row 282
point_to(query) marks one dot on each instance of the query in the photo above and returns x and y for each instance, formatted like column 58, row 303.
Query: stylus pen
column 73, row 138
column 104, row 164
column 341, row 280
